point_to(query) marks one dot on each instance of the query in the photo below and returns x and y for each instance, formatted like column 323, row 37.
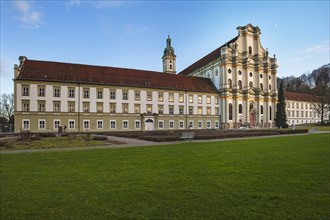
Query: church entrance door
column 252, row 123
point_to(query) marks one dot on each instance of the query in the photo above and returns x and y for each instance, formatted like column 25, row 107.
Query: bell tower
column 169, row 58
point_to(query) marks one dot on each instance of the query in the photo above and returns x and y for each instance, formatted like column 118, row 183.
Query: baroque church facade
column 232, row 86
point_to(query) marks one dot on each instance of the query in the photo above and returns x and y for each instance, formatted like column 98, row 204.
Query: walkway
column 121, row 142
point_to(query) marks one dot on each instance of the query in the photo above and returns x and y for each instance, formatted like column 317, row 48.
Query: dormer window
column 250, row 50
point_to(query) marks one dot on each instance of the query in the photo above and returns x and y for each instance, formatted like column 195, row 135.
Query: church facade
column 232, row 86
column 245, row 77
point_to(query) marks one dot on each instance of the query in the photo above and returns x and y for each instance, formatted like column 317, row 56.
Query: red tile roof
column 112, row 76
column 206, row 59
column 303, row 97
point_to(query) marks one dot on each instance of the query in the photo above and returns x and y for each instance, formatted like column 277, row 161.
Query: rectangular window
column 216, row 100
column 217, row 111
column 41, row 124
column 71, row 124
column 288, row 104
column 57, row 124
column 181, row 110
column 100, row 94
column 137, row 124
column 137, row 109
column 160, row 124
column 149, row 109
column 25, row 90
column 181, row 124
column 86, row 93
column 149, row 96
column 125, row 124
column 181, row 98
column 71, row 106
column 160, row 96
column 86, row 107
column 99, row 124
column 112, row 124
column 191, row 110
column 112, row 94
column 208, row 110
column 171, row 97
column 171, row 123
column 306, row 114
column 208, row 100
column 56, row 91
column 99, row 106
column 41, row 106
column 137, row 95
column 297, row 113
column 200, row 99
column 160, row 109
column 171, row 110
column 125, row 108
column 292, row 113
column 208, row 124
column 200, row 124
column 125, row 95
column 26, row 105
column 302, row 106
column 56, row 106
column 112, row 107
column 297, row 105
column 86, row 124
column 216, row 124
column 191, row 125
column 200, row 110
column 302, row 114
column 71, row 92
column 191, row 98
column 25, row 124
column 41, row 90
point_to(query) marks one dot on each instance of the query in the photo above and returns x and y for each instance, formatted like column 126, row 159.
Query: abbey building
column 234, row 85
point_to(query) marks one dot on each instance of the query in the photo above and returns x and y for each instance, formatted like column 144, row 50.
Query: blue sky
column 132, row 34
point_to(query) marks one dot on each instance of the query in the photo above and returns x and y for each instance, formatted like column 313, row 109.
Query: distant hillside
column 304, row 83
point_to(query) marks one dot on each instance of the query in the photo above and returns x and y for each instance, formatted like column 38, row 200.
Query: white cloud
column 107, row 4
column 28, row 14
column 72, row 3
column 319, row 48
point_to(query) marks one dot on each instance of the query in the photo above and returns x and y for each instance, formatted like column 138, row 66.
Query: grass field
column 271, row 178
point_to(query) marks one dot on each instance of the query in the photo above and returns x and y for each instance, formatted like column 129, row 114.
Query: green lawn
column 271, row 178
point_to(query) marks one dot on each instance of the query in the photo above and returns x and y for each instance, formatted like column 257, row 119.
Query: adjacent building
column 300, row 108
column 232, row 86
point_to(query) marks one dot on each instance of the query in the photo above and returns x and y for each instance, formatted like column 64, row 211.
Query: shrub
column 100, row 138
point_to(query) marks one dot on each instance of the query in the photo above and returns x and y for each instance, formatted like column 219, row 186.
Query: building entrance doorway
column 149, row 124
column 252, row 122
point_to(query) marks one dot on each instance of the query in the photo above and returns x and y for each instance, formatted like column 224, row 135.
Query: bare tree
column 322, row 92
column 7, row 108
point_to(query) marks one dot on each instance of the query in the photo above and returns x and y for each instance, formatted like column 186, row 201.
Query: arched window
column 270, row 112
column 240, row 109
column 261, row 109
column 170, row 66
column 250, row 50
column 230, row 111
column 270, row 87
column 251, row 106
column 240, row 84
column 230, row 83
column 261, row 87
column 250, row 84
